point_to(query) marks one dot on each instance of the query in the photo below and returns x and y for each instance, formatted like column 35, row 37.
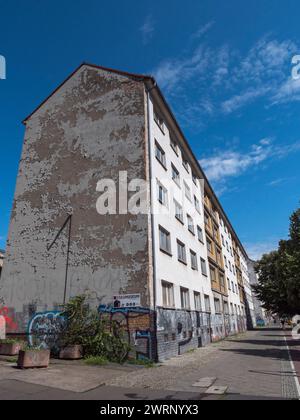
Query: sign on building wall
column 127, row 301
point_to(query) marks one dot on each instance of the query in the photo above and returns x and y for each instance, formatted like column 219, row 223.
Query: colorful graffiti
column 11, row 325
column 137, row 326
column 43, row 329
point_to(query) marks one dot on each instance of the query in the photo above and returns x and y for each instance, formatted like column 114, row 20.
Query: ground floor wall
column 152, row 335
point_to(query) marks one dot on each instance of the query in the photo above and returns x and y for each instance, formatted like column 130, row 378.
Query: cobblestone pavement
column 252, row 365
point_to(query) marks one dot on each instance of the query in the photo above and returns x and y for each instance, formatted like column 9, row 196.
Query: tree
column 279, row 274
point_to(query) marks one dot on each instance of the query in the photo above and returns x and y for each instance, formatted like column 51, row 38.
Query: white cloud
column 258, row 249
column 238, row 101
column 289, row 91
column 203, row 29
column 147, row 29
column 234, row 163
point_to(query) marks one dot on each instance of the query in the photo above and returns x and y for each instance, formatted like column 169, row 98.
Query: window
column 222, row 280
column 233, row 269
column 207, row 303
column 230, row 267
column 223, row 240
column 174, row 144
column 197, row 204
column 216, row 233
column 228, row 282
column 206, row 220
column 185, row 163
column 209, row 246
column 178, row 212
column 200, row 234
column 213, row 274
column 162, row 194
column 160, row 154
column 167, row 294
column 232, row 287
column 219, row 257
column 191, row 226
column 227, row 246
column 181, row 252
column 175, row 175
column 194, row 262
column 226, row 308
column 225, row 259
column 187, row 192
column 164, row 240
column 159, row 121
column 203, row 267
column 185, row 298
column 197, row 301
column 217, row 306
column 194, row 177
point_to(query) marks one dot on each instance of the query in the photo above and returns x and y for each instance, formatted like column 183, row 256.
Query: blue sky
column 225, row 68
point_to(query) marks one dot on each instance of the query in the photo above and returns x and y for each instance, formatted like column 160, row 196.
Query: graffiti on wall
column 43, row 329
column 10, row 323
column 137, row 326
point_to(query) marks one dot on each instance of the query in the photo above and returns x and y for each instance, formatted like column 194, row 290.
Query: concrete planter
column 29, row 359
column 10, row 349
column 74, row 352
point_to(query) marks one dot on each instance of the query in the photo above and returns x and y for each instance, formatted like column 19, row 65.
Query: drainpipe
column 151, row 214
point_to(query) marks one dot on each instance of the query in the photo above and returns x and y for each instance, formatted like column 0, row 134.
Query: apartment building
column 172, row 275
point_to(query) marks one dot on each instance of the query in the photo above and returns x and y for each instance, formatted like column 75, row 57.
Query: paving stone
column 217, row 390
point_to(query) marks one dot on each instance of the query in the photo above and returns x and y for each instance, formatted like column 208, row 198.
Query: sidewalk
column 254, row 365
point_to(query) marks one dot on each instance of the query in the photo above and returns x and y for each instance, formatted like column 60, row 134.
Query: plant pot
column 74, row 352
column 29, row 359
column 10, row 349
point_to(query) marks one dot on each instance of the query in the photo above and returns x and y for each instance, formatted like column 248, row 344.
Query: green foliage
column 279, row 274
column 10, row 341
column 98, row 338
column 96, row 361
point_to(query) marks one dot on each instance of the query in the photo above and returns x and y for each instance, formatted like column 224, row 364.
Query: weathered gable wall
column 91, row 129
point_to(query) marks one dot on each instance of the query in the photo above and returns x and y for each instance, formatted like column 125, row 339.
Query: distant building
column 1, row 260
column 259, row 312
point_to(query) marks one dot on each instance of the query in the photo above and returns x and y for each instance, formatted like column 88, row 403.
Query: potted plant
column 10, row 347
column 72, row 337
column 33, row 358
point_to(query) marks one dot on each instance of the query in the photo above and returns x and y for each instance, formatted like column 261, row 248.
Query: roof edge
column 140, row 77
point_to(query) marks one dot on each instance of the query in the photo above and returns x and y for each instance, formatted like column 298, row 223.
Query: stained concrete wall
column 93, row 127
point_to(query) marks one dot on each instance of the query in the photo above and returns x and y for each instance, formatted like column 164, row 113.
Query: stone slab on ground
column 217, row 390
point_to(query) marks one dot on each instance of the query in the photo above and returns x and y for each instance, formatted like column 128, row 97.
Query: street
column 254, row 365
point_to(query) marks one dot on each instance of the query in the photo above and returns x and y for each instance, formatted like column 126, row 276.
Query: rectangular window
column 162, row 194
column 206, row 220
column 194, row 261
column 197, row 204
column 200, row 234
column 203, row 267
column 164, row 240
column 191, row 226
column 209, row 246
column 178, row 212
column 225, row 259
column 223, row 241
column 213, row 274
column 175, row 175
column 185, row 163
column 207, row 303
column 174, row 144
column 222, row 280
column 226, row 308
column 217, row 306
column 185, row 298
column 168, row 294
column 219, row 257
column 181, row 252
column 228, row 282
column 194, row 177
column 197, row 301
column 160, row 154
column 159, row 121
column 187, row 192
